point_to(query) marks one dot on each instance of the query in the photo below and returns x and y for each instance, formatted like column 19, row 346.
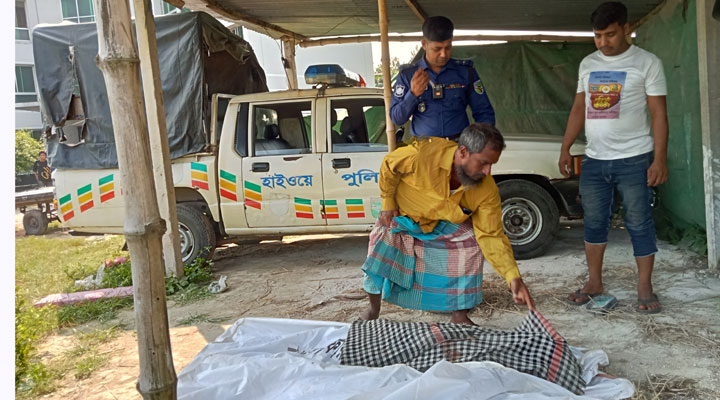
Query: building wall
column 27, row 115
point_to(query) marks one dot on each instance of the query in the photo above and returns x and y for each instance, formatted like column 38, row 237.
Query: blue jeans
column 598, row 181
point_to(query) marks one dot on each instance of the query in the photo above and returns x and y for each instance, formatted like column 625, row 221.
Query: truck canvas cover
column 198, row 56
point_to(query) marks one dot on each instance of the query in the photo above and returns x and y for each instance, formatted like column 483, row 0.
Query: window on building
column 21, row 27
column 24, row 84
column 238, row 31
column 168, row 8
column 78, row 10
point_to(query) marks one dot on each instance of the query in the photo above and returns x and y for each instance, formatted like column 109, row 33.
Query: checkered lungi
column 533, row 348
column 440, row 271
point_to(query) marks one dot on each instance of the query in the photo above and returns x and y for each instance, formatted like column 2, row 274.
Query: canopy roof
column 303, row 19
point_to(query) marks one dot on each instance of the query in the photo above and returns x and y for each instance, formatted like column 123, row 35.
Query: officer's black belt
column 454, row 138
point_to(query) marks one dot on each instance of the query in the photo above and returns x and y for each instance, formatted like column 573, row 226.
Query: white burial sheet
column 273, row 358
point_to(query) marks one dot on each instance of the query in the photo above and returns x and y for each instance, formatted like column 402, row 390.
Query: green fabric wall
column 531, row 85
column 673, row 38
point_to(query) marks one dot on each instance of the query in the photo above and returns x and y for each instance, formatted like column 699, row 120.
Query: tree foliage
column 26, row 151
column 394, row 68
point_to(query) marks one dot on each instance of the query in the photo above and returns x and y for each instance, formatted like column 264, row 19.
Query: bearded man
column 441, row 217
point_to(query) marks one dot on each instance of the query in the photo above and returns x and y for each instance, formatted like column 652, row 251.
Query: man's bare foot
column 582, row 296
column 369, row 314
column 649, row 304
column 460, row 317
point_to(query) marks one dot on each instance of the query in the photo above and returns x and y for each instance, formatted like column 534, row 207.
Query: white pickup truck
column 307, row 161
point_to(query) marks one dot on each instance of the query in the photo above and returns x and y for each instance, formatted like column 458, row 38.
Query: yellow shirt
column 415, row 180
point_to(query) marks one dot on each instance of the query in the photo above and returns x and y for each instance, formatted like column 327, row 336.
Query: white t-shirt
column 617, row 122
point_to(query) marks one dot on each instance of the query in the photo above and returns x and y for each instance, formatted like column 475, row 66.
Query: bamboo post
column 708, row 32
column 159, row 147
column 289, row 65
column 456, row 38
column 417, row 10
column 387, row 85
column 143, row 227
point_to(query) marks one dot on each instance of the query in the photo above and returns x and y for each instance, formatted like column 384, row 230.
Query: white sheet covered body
column 271, row 358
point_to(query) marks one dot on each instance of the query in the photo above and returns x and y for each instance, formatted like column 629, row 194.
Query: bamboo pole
column 635, row 25
column 250, row 21
column 159, row 147
column 177, row 3
column 708, row 39
column 387, row 85
column 461, row 38
column 290, row 67
column 143, row 227
column 417, row 9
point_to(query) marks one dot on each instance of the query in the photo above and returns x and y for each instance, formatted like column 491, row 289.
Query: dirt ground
column 675, row 354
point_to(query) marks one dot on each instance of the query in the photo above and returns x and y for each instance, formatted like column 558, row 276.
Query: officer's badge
column 479, row 88
column 399, row 90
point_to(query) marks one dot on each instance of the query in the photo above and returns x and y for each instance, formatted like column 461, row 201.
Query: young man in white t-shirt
column 620, row 100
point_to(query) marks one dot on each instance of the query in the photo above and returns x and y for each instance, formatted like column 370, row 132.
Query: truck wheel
column 530, row 217
column 197, row 236
column 35, row 222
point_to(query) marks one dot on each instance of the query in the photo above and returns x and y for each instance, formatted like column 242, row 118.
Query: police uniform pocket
column 454, row 98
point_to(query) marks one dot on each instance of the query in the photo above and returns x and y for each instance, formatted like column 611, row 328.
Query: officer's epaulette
column 468, row 63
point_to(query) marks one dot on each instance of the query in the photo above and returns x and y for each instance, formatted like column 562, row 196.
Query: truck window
column 282, row 128
column 241, row 126
column 222, row 106
column 360, row 125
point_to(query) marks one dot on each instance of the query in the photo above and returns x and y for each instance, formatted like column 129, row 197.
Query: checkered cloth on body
column 534, row 347
column 443, row 273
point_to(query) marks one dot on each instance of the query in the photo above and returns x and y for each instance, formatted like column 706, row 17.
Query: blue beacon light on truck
column 332, row 75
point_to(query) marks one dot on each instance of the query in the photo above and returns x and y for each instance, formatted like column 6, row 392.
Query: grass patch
column 191, row 294
column 50, row 265
column 194, row 319
column 84, row 358
column 117, row 275
column 31, row 376
column 46, row 265
column 100, row 310
column 86, row 366
column 193, row 285
column 97, row 337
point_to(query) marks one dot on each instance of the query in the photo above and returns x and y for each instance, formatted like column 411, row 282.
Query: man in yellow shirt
column 441, row 216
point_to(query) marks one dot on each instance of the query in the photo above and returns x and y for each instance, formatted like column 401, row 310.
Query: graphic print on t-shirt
column 605, row 88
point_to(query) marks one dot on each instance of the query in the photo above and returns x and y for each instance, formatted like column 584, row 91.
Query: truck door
column 357, row 144
column 233, row 148
column 281, row 177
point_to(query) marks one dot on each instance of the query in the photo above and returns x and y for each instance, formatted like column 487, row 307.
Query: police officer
column 437, row 90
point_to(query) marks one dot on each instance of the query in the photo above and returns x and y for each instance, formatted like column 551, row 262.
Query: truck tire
column 197, row 236
column 35, row 222
column 530, row 217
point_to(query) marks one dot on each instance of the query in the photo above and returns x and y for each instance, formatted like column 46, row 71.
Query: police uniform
column 446, row 116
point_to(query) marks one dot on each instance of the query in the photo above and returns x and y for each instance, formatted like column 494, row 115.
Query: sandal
column 645, row 302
